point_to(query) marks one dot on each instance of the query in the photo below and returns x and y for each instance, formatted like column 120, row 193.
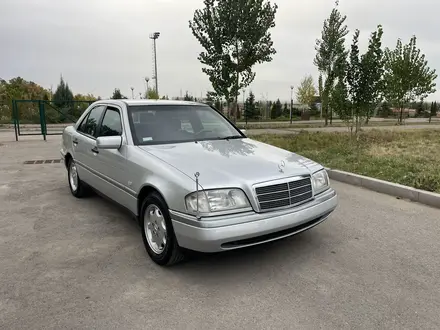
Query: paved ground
column 74, row 264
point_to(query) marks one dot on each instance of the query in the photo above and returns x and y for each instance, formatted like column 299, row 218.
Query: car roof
column 160, row 102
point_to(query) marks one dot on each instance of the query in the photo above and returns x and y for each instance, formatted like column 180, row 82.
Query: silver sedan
column 191, row 178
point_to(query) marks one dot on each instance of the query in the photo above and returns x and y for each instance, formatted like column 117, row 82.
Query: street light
column 132, row 92
column 154, row 36
column 291, row 102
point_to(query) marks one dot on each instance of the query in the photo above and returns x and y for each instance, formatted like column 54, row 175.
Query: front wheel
column 157, row 232
column 77, row 187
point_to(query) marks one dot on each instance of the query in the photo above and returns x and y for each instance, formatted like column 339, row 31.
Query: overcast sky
column 99, row 45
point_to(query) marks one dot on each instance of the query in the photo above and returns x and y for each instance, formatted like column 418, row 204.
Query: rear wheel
column 77, row 187
column 157, row 232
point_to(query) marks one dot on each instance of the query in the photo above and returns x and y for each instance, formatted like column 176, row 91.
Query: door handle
column 75, row 142
column 95, row 150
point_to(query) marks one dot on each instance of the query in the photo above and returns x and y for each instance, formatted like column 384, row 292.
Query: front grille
column 284, row 194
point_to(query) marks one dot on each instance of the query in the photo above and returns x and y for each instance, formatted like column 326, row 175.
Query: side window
column 82, row 126
column 91, row 123
column 111, row 123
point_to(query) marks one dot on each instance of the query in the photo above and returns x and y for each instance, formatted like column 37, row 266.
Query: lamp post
column 291, row 102
column 154, row 36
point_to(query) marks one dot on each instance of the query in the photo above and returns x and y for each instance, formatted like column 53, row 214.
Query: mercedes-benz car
column 192, row 179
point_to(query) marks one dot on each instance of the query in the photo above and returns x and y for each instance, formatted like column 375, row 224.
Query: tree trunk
column 237, row 81
column 401, row 115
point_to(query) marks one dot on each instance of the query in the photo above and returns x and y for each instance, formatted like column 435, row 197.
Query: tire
column 77, row 187
column 157, row 232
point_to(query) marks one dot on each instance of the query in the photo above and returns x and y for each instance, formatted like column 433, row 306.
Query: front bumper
column 251, row 228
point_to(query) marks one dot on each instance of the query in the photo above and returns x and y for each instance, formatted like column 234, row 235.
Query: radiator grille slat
column 286, row 194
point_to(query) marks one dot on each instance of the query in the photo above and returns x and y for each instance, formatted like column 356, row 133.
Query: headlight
column 320, row 181
column 217, row 201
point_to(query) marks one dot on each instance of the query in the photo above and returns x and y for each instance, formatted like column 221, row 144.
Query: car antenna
column 197, row 174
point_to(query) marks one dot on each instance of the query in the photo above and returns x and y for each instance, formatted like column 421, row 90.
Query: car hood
column 229, row 162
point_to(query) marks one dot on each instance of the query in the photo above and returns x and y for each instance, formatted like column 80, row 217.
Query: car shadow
column 263, row 259
column 294, row 250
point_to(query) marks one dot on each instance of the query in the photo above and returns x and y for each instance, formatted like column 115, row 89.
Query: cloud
column 100, row 45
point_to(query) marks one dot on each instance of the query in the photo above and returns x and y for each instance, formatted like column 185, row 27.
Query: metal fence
column 43, row 117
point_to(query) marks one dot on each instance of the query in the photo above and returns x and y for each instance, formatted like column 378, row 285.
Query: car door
column 84, row 140
column 111, row 163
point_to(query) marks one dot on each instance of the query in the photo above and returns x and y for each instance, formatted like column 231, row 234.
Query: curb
column 386, row 187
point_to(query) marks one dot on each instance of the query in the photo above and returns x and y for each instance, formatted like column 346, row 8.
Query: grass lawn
column 409, row 157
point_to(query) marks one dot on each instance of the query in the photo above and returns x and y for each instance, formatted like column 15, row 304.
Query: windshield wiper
column 231, row 137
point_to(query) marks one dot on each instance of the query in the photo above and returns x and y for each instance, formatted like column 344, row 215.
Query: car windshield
column 161, row 124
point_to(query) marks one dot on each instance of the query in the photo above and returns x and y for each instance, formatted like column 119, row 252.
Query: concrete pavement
column 74, row 264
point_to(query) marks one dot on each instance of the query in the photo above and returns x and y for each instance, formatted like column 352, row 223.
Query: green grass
column 410, row 157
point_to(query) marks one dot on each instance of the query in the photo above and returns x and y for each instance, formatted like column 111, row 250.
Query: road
column 75, row 264
column 8, row 134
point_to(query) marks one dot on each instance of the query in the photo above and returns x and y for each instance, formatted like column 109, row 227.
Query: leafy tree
column 277, row 110
column 235, row 36
column 188, row 97
column 211, row 98
column 385, row 109
column 433, row 110
column 364, row 77
column 117, row 95
column 250, row 108
column 339, row 102
column 151, row 94
column 330, row 56
column 286, row 110
column 407, row 76
column 63, row 96
column 372, row 70
column 62, row 99
column 420, row 110
column 306, row 91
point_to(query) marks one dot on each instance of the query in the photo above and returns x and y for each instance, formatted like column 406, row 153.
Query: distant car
column 192, row 178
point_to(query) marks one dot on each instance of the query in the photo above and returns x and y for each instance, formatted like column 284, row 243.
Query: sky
column 100, row 45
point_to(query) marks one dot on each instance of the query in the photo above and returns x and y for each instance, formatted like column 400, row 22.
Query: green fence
column 42, row 117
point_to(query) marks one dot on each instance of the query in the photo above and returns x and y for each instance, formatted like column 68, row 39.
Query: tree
column 385, row 109
column 117, row 95
column 277, row 110
column 306, row 91
column 330, row 56
column 188, row 97
column 364, row 77
column 286, row 110
column 372, row 70
column 407, row 76
column 62, row 99
column 339, row 102
column 250, row 108
column 151, row 94
column 235, row 36
column 433, row 110
column 63, row 96
column 420, row 110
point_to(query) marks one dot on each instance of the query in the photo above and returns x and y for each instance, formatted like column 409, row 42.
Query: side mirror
column 109, row 142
